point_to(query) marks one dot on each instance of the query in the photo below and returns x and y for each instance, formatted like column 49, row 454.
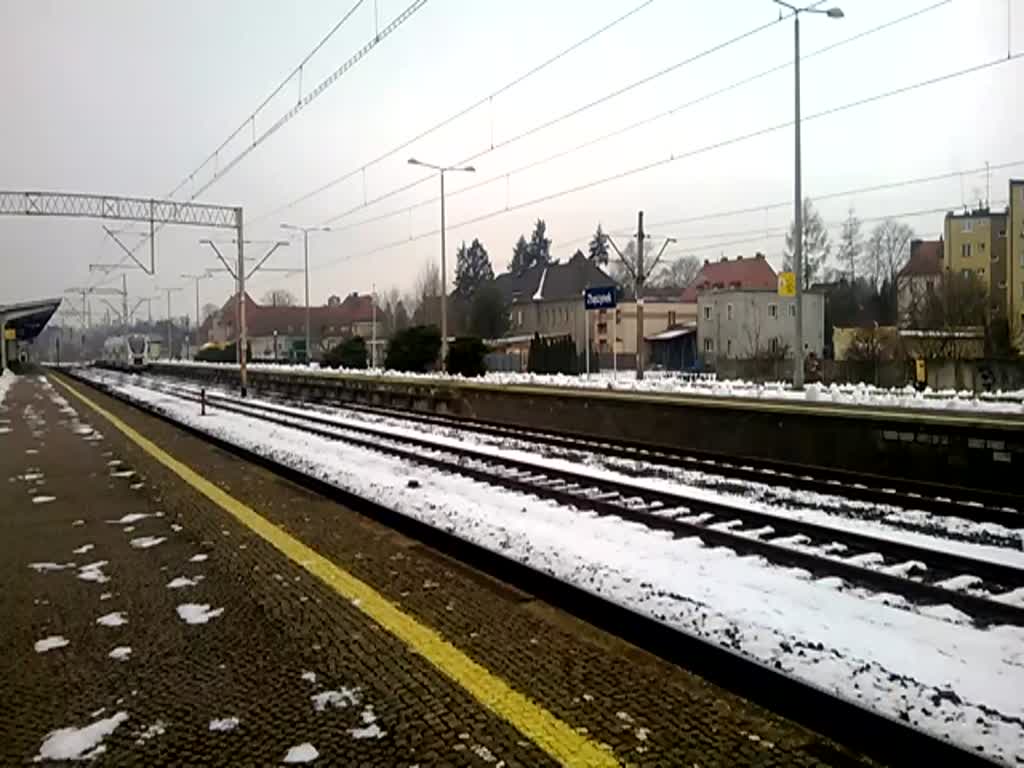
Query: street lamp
column 798, row 212
column 305, row 245
column 444, row 266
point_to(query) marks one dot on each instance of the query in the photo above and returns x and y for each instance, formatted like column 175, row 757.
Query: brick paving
column 279, row 621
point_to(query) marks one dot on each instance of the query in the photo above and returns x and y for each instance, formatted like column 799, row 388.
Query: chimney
column 759, row 255
column 706, row 262
column 723, row 258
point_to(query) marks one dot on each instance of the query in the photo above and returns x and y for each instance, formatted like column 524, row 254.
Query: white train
column 130, row 352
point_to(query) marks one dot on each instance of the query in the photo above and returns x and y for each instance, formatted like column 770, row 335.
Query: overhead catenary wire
column 685, row 155
column 574, row 112
column 608, row 135
column 457, row 115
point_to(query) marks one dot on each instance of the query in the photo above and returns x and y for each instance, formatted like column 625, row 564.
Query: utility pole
column 124, row 301
column 197, row 278
column 373, row 325
column 640, row 279
column 639, row 272
column 243, row 371
column 798, row 212
column 305, row 256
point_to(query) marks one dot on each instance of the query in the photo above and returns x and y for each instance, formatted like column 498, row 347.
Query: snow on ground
column 132, row 517
column 337, row 699
column 889, row 522
column 955, row 680
column 303, row 753
column 84, row 549
column 79, row 743
column 50, row 643
column 679, row 384
column 115, row 619
column 43, row 499
column 180, row 582
column 120, row 653
column 369, row 729
column 224, row 724
column 47, row 567
column 198, row 558
column 94, row 572
column 145, row 542
column 6, row 380
column 194, row 613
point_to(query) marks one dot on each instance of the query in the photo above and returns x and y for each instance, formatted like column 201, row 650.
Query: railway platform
column 165, row 602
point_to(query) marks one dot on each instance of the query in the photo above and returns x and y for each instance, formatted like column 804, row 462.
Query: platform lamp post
column 442, row 170
column 305, row 253
column 798, row 211
column 197, row 278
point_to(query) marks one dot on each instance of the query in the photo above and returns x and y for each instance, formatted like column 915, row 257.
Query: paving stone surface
column 279, row 622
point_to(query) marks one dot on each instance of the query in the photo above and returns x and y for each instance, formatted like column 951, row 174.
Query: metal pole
column 373, row 325
column 124, row 302
column 444, row 290
column 3, row 344
column 198, row 321
column 615, row 342
column 170, row 342
column 798, row 219
column 305, row 248
column 243, row 372
column 586, row 336
column 640, row 278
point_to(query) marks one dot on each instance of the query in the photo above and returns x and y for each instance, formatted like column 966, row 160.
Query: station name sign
column 599, row 298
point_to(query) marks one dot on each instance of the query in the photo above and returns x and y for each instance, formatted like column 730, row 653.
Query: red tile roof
column 925, row 259
column 262, row 320
column 754, row 272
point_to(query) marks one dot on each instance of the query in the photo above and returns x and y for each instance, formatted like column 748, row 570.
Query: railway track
column 921, row 575
column 974, row 505
column 888, row 740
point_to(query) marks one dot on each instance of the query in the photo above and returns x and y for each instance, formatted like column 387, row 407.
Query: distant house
column 739, row 273
column 548, row 299
column 276, row 332
column 918, row 278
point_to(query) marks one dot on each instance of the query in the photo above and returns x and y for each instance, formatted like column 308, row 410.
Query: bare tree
column 207, row 311
column 679, row 273
column 279, row 297
column 887, row 251
column 851, row 245
column 427, row 293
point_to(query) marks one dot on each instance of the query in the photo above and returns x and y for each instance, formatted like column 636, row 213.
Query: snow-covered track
column 923, row 576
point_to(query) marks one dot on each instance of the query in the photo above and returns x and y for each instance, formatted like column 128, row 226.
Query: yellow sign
column 787, row 283
column 920, row 370
column 10, row 334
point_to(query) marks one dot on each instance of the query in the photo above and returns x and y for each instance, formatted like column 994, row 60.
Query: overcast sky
column 130, row 96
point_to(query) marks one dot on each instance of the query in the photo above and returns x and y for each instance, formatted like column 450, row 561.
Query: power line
column 570, row 114
column 691, row 153
column 455, row 116
column 612, row 134
column 297, row 70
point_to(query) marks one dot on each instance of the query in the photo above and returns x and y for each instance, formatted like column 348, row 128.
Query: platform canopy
column 23, row 322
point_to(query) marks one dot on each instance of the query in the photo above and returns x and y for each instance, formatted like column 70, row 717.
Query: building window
column 775, row 346
column 728, row 311
column 708, row 345
column 707, row 311
column 671, row 317
column 965, row 250
column 1002, row 233
column 519, row 317
column 728, row 347
column 773, row 311
column 792, row 310
column 967, row 225
column 929, row 285
column 618, row 316
column 981, row 246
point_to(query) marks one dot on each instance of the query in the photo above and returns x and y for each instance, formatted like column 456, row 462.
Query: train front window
column 137, row 345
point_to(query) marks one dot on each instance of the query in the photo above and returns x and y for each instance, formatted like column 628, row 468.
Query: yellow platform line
column 555, row 737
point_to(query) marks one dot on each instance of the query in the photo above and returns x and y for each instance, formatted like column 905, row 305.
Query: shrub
column 466, row 357
column 351, row 353
column 414, row 350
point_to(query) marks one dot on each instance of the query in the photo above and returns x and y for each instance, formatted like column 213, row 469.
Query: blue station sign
column 599, row 298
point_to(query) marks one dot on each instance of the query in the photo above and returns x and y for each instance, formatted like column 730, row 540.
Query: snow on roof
column 671, row 333
column 539, row 295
